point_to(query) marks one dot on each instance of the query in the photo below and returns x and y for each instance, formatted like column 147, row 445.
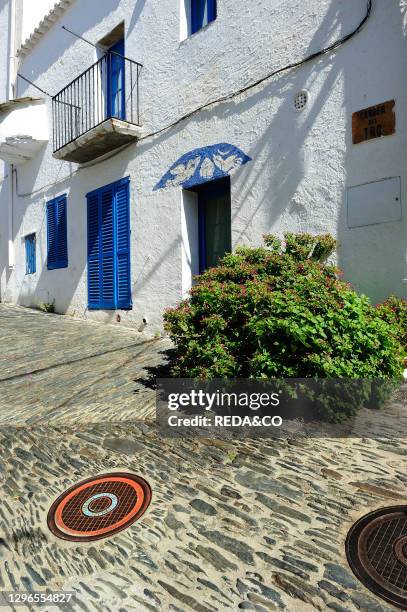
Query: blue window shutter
column 123, row 245
column 94, row 269
column 57, row 240
column 30, row 254
column 62, row 251
column 27, row 255
column 109, row 281
column 34, row 255
column 107, row 248
column 51, row 235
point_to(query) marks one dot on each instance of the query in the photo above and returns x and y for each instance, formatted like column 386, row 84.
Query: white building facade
column 141, row 139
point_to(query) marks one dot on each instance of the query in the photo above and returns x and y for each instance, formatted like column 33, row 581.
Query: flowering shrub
column 281, row 312
column 394, row 311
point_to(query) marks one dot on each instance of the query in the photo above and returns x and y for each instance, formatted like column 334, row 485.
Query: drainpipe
column 10, row 215
column 11, row 94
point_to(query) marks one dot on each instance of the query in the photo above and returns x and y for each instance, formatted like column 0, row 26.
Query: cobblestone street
column 55, row 369
column 249, row 524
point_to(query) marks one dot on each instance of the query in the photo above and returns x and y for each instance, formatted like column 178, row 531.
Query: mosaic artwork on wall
column 202, row 165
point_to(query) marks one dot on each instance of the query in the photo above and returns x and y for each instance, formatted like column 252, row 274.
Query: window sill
column 58, row 266
column 190, row 36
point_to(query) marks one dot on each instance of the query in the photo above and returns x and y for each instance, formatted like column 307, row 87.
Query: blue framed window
column 202, row 13
column 115, row 99
column 30, row 254
column 57, row 240
column 109, row 280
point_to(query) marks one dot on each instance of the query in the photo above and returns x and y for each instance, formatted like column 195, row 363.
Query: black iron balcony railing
column 108, row 89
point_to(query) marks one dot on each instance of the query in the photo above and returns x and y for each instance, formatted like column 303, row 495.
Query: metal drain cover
column 99, row 507
column 376, row 548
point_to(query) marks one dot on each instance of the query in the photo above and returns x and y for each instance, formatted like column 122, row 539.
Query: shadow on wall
column 299, row 197
column 278, row 152
column 62, row 44
column 62, row 286
column 138, row 9
column 373, row 257
column 296, row 199
column 279, row 156
column 68, row 286
column 308, row 176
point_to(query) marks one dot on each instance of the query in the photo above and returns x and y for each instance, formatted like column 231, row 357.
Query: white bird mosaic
column 184, row 172
column 202, row 165
column 207, row 168
column 227, row 164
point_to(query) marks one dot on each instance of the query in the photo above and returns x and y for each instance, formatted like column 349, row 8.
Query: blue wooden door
column 214, row 223
column 116, row 81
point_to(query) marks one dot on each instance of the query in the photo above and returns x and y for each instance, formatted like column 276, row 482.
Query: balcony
column 99, row 111
column 23, row 129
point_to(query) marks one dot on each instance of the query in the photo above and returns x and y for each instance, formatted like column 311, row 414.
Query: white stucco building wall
column 4, row 182
column 302, row 163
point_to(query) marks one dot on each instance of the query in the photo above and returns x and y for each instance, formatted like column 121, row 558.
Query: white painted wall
column 190, row 239
column 185, row 19
column 302, row 162
column 23, row 130
column 25, row 118
column 4, row 46
column 4, row 184
column 33, row 11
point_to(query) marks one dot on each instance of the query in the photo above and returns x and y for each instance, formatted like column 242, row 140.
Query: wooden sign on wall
column 374, row 122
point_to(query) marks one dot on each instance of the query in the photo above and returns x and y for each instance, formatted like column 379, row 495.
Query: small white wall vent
column 301, row 100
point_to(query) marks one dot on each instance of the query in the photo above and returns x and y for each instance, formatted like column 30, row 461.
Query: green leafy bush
column 394, row 312
column 268, row 312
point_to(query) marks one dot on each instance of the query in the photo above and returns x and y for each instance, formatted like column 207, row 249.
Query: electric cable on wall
column 307, row 59
column 335, row 45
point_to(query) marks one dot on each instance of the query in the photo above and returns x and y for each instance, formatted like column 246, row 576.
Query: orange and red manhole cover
column 99, row 507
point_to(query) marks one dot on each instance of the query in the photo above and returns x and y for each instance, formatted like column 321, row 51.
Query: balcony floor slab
column 105, row 137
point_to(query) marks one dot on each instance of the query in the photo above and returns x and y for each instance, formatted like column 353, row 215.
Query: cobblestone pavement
column 55, row 369
column 250, row 524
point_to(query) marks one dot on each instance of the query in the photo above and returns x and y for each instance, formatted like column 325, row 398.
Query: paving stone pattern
column 238, row 524
column 55, row 369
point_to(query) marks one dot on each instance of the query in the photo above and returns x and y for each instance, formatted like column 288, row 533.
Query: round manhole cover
column 99, row 507
column 376, row 548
